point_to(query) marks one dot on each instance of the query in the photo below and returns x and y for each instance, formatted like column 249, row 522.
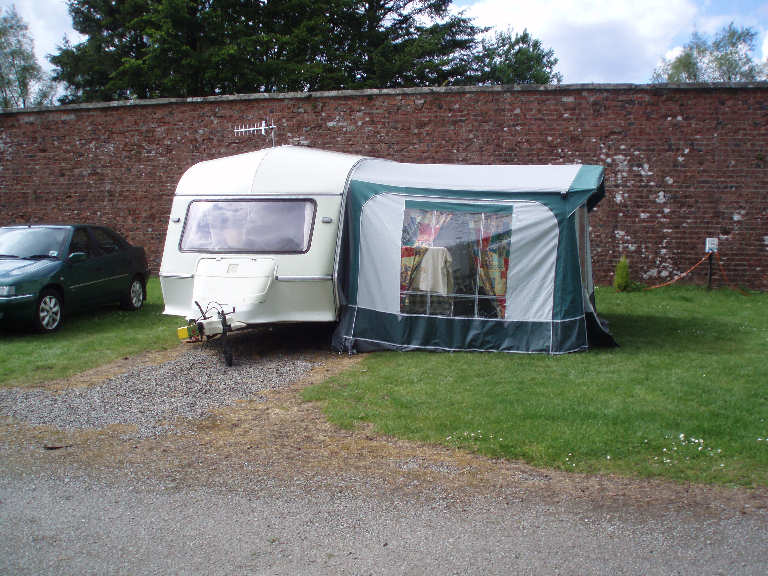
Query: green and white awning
column 466, row 257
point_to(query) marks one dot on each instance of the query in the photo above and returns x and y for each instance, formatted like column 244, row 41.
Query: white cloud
column 48, row 22
column 765, row 46
column 673, row 53
column 596, row 40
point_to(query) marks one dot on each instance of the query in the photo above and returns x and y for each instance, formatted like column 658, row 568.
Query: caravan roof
column 559, row 179
column 282, row 170
column 285, row 170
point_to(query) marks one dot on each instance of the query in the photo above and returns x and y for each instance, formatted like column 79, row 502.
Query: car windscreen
column 253, row 226
column 33, row 242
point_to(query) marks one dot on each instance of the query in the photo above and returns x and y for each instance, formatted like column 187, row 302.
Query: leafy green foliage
column 683, row 397
column 22, row 82
column 145, row 49
column 621, row 275
column 184, row 48
column 86, row 341
column 726, row 58
column 518, row 59
column 394, row 43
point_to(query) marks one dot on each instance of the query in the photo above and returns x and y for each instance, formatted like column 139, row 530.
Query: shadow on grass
column 634, row 333
column 637, row 332
column 89, row 321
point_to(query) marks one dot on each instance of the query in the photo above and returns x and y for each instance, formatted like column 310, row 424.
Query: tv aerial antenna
column 262, row 128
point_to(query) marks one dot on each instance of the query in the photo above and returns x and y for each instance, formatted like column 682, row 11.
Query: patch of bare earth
column 280, row 438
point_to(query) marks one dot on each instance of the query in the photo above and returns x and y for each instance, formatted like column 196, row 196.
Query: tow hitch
column 207, row 327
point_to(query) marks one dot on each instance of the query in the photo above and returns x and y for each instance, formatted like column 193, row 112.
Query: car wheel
column 49, row 311
column 134, row 297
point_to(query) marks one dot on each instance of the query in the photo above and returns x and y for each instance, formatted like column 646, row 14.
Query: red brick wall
column 682, row 163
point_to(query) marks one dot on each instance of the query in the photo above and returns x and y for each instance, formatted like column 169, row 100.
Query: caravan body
column 404, row 256
column 257, row 232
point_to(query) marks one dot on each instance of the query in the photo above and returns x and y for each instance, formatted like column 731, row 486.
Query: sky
column 595, row 41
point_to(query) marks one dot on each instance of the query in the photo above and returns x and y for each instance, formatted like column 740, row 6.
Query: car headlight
column 7, row 290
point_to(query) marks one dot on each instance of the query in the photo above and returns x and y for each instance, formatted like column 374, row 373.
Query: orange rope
column 692, row 268
column 675, row 279
column 728, row 283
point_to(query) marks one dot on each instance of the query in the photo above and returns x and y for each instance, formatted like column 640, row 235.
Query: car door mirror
column 76, row 257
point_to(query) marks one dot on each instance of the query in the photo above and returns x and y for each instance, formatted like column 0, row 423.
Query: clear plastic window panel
column 454, row 263
column 254, row 226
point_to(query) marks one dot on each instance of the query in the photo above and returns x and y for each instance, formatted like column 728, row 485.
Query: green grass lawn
column 85, row 341
column 684, row 397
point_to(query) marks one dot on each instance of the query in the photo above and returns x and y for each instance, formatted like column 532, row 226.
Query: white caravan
column 257, row 233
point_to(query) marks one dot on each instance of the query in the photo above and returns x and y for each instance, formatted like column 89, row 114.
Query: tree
column 183, row 48
column 726, row 58
column 518, row 59
column 22, row 81
column 400, row 43
column 187, row 48
column 93, row 70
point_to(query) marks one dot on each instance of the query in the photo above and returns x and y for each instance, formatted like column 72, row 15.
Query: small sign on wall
column 711, row 245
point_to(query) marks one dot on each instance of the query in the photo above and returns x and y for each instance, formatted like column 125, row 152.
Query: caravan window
column 454, row 262
column 253, row 226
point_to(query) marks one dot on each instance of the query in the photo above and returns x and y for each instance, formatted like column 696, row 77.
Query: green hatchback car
column 49, row 271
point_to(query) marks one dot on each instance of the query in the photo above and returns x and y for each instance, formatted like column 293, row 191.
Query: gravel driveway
column 149, row 398
column 174, row 468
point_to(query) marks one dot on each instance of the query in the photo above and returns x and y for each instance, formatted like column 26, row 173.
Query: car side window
column 119, row 240
column 106, row 243
column 79, row 242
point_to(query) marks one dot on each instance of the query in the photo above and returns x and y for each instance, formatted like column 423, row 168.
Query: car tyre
column 49, row 311
column 135, row 295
